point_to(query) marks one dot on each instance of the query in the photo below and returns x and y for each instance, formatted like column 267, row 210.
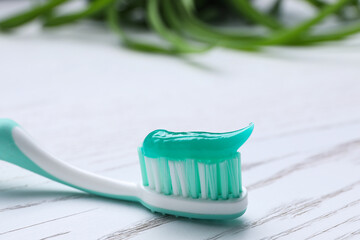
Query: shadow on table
column 218, row 228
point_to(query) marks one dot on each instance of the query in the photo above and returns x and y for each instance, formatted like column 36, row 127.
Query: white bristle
column 165, row 181
column 203, row 186
column 224, row 179
column 192, row 178
column 234, row 179
column 174, row 178
column 191, row 171
column 180, row 169
column 149, row 172
column 212, row 179
column 156, row 175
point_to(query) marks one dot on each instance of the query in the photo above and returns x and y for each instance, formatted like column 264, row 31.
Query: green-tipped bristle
column 207, row 179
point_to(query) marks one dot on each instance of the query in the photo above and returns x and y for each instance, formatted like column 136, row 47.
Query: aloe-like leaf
column 93, row 8
column 185, row 21
column 320, row 4
column 114, row 24
column 245, row 8
column 156, row 22
column 290, row 36
column 334, row 35
column 29, row 15
column 317, row 3
column 275, row 9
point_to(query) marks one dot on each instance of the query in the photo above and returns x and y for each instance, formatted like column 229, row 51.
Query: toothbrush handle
column 18, row 148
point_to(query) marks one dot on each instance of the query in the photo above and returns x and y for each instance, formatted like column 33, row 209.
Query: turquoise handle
column 26, row 154
column 9, row 152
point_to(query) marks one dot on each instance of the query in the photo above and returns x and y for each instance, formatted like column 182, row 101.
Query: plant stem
column 27, row 16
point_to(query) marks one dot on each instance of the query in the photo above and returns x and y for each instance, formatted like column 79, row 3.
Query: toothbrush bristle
column 193, row 178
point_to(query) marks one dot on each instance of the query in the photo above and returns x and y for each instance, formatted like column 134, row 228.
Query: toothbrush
column 188, row 174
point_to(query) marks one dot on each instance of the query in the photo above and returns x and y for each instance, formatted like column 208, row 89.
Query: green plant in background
column 191, row 26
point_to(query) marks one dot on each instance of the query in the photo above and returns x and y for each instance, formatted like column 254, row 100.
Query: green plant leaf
column 29, row 15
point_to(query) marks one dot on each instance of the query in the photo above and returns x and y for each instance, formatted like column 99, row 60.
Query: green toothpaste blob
column 196, row 145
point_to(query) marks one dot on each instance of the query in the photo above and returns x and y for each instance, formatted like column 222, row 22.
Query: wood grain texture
column 91, row 103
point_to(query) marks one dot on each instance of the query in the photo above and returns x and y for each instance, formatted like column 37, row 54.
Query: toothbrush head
column 194, row 174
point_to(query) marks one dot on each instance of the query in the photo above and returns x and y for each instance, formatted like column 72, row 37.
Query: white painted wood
column 91, row 103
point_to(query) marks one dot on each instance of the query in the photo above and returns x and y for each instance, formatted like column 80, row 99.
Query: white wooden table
column 91, row 103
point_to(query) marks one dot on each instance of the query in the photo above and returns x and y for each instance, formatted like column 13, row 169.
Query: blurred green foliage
column 191, row 26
